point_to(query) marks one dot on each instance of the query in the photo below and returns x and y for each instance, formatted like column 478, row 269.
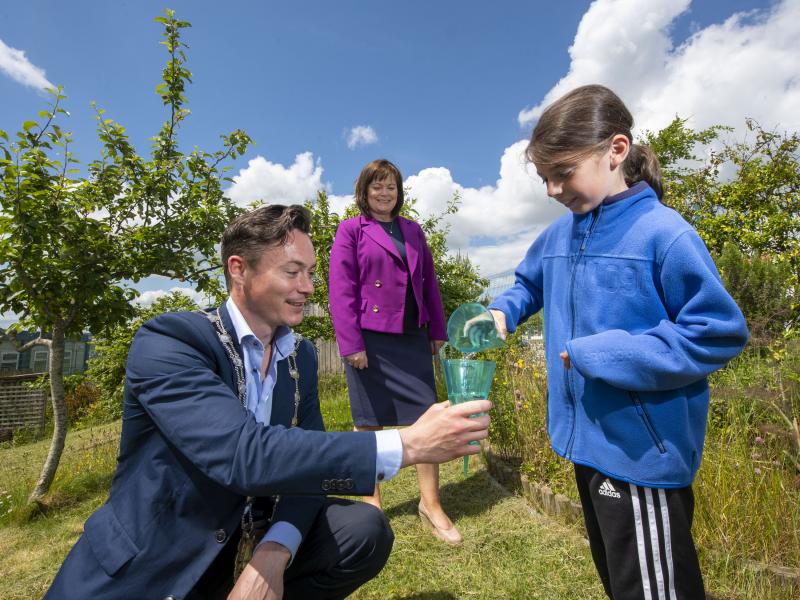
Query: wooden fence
column 20, row 406
column 329, row 359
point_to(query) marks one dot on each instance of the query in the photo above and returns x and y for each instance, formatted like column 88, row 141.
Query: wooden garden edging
column 540, row 496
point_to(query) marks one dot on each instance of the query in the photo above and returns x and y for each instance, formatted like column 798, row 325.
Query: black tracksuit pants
column 641, row 538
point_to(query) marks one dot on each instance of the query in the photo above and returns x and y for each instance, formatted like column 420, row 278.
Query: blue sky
column 447, row 90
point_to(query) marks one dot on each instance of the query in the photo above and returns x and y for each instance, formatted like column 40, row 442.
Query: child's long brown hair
column 581, row 123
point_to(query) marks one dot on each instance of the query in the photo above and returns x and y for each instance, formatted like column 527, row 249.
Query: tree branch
column 40, row 341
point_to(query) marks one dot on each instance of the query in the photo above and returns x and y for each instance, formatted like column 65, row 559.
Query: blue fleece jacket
column 631, row 293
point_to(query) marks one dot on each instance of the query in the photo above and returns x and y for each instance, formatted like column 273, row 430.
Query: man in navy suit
column 210, row 404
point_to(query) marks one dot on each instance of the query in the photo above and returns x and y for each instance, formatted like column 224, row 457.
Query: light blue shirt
column 259, row 401
column 259, row 392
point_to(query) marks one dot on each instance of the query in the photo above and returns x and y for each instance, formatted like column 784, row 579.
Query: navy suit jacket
column 189, row 455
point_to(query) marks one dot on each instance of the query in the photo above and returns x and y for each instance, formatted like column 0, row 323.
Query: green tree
column 70, row 244
column 759, row 208
column 459, row 280
column 688, row 179
column 762, row 288
column 317, row 324
column 744, row 194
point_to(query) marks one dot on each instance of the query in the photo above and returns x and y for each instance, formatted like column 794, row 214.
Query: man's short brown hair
column 248, row 235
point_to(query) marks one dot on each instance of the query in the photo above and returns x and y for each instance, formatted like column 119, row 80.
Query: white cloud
column 272, row 183
column 494, row 223
column 744, row 67
column 362, row 135
column 339, row 203
column 146, row 299
column 505, row 254
column 14, row 64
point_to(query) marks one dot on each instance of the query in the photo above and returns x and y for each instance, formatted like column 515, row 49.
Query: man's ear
column 620, row 147
column 236, row 269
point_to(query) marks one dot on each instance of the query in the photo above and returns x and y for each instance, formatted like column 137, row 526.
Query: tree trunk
column 59, row 414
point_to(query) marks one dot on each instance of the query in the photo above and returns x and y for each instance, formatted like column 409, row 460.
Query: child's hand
column 565, row 357
column 499, row 323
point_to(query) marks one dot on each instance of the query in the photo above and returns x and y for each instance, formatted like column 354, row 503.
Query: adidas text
column 606, row 489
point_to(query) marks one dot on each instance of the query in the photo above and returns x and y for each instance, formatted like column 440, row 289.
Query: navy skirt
column 398, row 385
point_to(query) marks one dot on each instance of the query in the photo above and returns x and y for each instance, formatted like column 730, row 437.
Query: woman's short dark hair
column 583, row 122
column 249, row 234
column 378, row 170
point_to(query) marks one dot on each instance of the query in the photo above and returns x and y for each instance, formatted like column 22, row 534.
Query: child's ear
column 620, row 146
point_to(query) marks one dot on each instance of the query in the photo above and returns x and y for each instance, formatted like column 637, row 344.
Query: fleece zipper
column 570, row 393
column 648, row 424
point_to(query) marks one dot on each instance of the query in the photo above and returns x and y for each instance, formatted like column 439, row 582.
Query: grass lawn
column 509, row 551
column 34, row 548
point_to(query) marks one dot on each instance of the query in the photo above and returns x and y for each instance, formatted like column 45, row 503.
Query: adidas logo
column 606, row 489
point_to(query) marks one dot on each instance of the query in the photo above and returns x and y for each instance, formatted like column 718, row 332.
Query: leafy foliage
column 762, row 289
column 747, row 195
column 70, row 245
column 459, row 281
column 317, row 324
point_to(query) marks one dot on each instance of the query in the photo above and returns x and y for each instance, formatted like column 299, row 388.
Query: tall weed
column 748, row 488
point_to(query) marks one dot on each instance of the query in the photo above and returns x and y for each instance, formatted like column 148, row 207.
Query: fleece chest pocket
column 648, row 424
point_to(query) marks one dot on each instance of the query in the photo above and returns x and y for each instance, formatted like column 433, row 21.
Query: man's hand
column 262, row 578
column 565, row 357
column 357, row 360
column 444, row 432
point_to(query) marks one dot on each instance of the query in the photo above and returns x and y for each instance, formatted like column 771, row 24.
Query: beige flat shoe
column 448, row 536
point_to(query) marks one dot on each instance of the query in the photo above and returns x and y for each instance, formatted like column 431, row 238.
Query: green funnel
column 471, row 329
column 467, row 379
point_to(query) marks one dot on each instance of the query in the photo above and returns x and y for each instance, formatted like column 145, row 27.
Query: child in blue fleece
column 636, row 318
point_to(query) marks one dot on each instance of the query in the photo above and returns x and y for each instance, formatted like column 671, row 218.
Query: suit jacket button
column 170, row 597
column 220, row 536
column 378, row 283
column 375, row 308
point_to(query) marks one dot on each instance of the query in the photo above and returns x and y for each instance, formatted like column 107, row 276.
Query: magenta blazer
column 367, row 286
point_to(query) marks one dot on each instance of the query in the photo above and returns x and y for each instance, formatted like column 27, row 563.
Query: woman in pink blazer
column 388, row 318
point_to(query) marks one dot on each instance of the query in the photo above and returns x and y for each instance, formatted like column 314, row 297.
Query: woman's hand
column 357, row 360
column 436, row 345
column 565, row 357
